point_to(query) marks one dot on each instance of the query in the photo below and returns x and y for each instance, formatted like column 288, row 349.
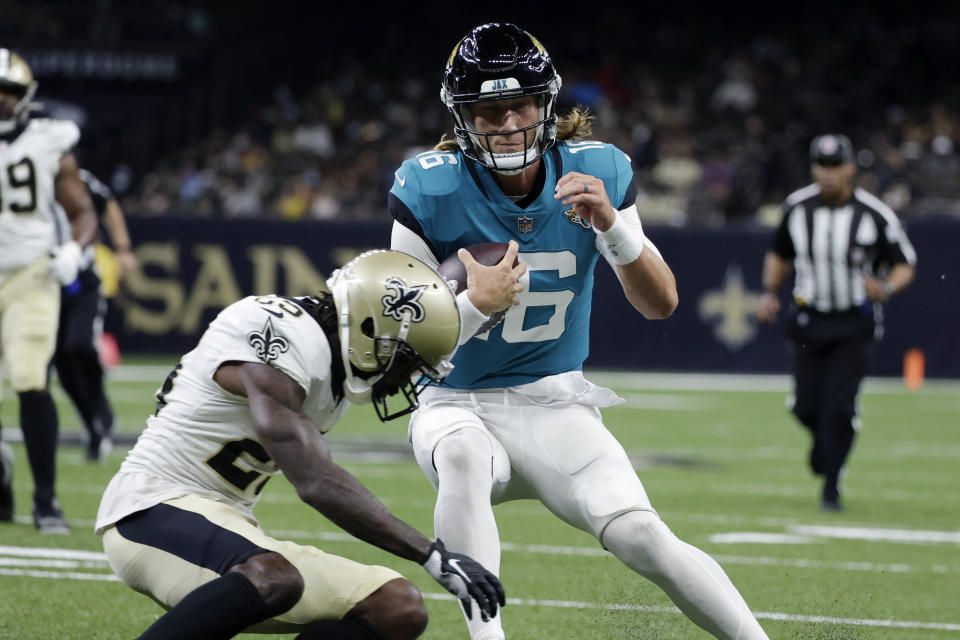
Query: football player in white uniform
column 269, row 376
column 38, row 254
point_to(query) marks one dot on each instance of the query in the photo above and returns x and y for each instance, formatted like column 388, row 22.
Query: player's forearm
column 116, row 227
column 649, row 285
column 72, row 194
column 347, row 503
column 899, row 278
column 293, row 442
column 775, row 270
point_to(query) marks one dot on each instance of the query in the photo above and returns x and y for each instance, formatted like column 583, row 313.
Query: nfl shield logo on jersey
column 525, row 224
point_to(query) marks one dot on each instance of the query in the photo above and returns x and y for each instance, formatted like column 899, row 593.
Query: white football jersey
column 29, row 164
column 201, row 440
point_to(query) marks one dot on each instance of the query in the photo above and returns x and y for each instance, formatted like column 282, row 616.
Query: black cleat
column 49, row 519
column 831, row 505
column 6, row 483
column 101, row 441
column 830, row 500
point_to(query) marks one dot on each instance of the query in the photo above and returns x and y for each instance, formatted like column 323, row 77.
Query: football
column 487, row 254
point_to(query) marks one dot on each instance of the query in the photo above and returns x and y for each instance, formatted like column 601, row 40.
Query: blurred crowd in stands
column 716, row 118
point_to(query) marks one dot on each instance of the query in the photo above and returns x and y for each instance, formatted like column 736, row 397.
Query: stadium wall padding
column 190, row 268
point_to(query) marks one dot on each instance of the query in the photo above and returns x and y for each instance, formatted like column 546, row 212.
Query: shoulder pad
column 434, row 173
column 60, row 135
column 278, row 332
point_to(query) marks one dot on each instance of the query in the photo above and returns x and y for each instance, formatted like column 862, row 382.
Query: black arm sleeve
column 782, row 242
column 402, row 214
column 630, row 197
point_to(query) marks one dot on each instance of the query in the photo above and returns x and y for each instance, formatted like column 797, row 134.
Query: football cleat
column 48, row 519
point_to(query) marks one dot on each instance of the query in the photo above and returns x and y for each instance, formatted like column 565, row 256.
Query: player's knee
column 395, row 610
column 463, row 451
column 641, row 540
column 277, row 580
column 28, row 382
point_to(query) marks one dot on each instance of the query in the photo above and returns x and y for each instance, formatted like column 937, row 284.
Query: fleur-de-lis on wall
column 267, row 343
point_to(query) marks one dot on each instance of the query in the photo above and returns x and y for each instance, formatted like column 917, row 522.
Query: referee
column 850, row 254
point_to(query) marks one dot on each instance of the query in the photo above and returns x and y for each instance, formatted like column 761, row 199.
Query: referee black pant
column 830, row 361
column 77, row 359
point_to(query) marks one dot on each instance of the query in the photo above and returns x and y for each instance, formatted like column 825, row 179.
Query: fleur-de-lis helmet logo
column 402, row 298
column 267, row 343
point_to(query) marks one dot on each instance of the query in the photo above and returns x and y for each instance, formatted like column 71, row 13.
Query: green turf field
column 720, row 458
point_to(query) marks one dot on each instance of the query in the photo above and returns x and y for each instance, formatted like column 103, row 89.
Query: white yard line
column 60, row 575
column 878, row 535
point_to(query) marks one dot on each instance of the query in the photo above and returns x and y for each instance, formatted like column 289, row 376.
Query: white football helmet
column 16, row 77
column 397, row 319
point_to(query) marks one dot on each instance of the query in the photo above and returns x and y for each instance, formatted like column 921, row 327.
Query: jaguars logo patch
column 575, row 219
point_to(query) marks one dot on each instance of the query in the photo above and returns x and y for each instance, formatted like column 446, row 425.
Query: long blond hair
column 576, row 125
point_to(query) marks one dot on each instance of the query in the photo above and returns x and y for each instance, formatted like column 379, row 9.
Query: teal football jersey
column 452, row 202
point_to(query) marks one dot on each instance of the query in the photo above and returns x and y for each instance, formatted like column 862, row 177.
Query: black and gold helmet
column 495, row 62
column 398, row 325
column 16, row 77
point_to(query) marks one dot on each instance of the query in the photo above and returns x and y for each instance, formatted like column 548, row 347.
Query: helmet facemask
column 500, row 61
column 537, row 138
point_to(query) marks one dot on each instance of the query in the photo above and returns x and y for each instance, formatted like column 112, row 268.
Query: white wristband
column 623, row 243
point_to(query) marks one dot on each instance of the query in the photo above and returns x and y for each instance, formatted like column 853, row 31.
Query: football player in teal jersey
column 516, row 418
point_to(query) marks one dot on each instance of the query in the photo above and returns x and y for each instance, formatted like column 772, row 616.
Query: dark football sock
column 219, row 609
column 38, row 421
column 339, row 630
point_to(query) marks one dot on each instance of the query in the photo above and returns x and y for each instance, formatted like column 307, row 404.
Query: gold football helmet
column 16, row 77
column 397, row 319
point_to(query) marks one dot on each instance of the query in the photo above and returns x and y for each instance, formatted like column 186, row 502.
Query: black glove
column 465, row 578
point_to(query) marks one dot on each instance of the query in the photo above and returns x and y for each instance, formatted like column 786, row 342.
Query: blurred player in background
column 850, row 254
column 517, row 418
column 38, row 255
column 269, row 377
column 82, row 311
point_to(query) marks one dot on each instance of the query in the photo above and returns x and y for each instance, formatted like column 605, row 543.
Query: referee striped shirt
column 831, row 248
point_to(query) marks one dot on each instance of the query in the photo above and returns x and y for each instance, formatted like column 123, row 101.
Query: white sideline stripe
column 61, row 554
column 762, row 615
column 639, row 380
column 802, row 563
column 52, row 564
column 756, row 537
column 60, row 575
column 877, row 535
